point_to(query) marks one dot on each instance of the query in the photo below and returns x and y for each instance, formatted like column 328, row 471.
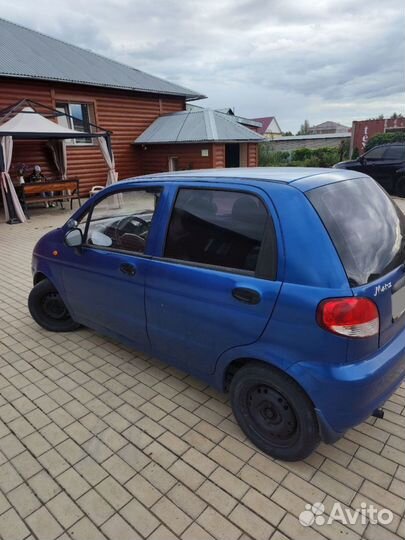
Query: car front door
column 104, row 280
column 373, row 164
column 393, row 159
column 214, row 285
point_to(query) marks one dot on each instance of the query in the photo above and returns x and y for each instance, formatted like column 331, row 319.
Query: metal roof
column 27, row 54
column 343, row 135
column 204, row 125
column 232, row 116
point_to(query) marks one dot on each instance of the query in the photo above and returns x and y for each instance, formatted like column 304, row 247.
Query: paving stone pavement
column 99, row 441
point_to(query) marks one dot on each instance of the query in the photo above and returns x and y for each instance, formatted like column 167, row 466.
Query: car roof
column 300, row 176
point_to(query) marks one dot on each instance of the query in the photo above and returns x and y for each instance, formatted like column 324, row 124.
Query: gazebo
column 23, row 121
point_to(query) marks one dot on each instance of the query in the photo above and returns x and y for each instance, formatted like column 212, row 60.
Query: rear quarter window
column 365, row 225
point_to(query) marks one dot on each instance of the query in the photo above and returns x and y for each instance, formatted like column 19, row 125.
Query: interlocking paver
column 64, row 510
column 24, row 500
column 140, row 518
column 95, row 507
column 44, row 525
column 113, row 492
column 53, row 462
column 43, row 486
column 99, row 441
column 143, row 490
column 117, row 528
column 12, row 526
column 73, row 483
column 91, row 470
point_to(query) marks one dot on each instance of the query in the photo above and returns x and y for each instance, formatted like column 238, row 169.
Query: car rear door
column 215, row 282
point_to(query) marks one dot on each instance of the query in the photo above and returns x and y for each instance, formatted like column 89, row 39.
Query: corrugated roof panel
column 196, row 126
column 28, row 54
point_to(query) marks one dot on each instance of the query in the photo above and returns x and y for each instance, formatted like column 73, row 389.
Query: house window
column 82, row 114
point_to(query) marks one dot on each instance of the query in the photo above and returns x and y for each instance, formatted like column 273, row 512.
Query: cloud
column 315, row 59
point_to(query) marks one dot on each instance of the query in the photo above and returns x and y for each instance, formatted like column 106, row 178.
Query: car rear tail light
column 352, row 317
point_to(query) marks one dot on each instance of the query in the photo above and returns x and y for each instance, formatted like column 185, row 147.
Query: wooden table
column 49, row 191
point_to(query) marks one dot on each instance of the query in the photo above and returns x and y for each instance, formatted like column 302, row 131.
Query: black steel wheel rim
column 53, row 307
column 271, row 415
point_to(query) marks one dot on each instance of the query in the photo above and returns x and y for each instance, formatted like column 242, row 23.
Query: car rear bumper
column 347, row 394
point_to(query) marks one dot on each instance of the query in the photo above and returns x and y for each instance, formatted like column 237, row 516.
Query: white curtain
column 7, row 187
column 58, row 150
column 112, row 176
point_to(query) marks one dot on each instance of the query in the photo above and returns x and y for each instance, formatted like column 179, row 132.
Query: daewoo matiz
column 284, row 286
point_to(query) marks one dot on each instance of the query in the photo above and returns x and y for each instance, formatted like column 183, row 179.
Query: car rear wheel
column 400, row 187
column 274, row 412
column 48, row 309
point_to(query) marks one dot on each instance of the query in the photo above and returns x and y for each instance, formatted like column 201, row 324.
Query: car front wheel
column 48, row 309
column 274, row 412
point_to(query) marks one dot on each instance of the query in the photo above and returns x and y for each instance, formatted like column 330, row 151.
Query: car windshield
column 365, row 225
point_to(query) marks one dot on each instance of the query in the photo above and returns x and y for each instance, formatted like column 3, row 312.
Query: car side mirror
column 361, row 159
column 74, row 238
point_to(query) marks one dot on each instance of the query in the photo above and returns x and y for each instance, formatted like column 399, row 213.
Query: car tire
column 274, row 412
column 48, row 309
column 400, row 187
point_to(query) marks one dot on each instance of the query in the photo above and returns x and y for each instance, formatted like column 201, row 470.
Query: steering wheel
column 124, row 222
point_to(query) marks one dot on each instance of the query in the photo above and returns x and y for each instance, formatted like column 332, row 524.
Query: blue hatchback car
column 285, row 287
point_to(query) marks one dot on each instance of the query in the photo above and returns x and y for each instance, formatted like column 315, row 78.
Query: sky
column 318, row 60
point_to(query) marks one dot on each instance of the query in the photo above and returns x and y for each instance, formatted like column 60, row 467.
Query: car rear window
column 366, row 227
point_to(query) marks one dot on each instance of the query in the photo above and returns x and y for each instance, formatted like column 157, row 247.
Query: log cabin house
column 144, row 113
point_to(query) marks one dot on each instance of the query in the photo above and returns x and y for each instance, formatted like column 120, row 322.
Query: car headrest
column 245, row 207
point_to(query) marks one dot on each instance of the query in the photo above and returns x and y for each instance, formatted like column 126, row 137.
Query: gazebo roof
column 24, row 121
column 29, row 122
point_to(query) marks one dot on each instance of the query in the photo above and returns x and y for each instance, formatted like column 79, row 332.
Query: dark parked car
column 384, row 163
column 284, row 286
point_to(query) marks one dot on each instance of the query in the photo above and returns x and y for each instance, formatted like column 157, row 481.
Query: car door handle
column 128, row 269
column 248, row 296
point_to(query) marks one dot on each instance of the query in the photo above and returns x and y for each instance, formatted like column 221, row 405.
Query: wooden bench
column 39, row 192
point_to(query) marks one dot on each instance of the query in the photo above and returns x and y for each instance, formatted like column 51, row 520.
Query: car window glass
column 122, row 220
column 365, row 225
column 395, row 153
column 216, row 227
column 376, row 153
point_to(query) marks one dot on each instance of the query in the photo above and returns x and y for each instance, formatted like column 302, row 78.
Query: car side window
column 217, row 228
column 395, row 153
column 122, row 220
column 376, row 153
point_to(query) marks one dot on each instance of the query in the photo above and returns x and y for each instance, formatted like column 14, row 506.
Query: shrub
column 269, row 158
column 301, row 154
column 302, row 157
column 384, row 138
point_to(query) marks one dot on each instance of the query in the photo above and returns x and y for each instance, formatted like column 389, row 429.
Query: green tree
column 384, row 138
column 304, row 129
column 288, row 134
